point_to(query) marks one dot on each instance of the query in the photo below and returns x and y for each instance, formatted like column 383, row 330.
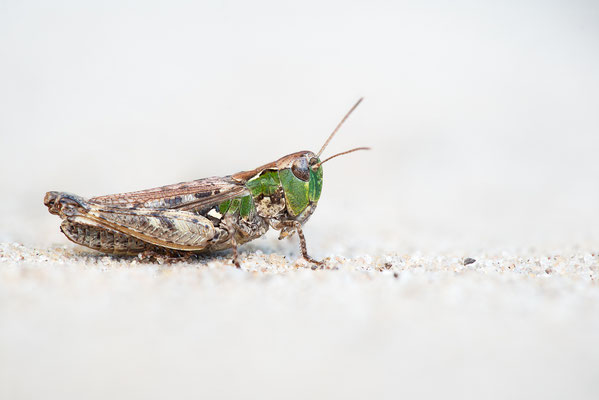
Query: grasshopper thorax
column 301, row 180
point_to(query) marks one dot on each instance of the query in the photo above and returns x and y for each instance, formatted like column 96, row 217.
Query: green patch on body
column 315, row 184
column 224, row 206
column 244, row 205
column 296, row 191
column 266, row 183
column 234, row 206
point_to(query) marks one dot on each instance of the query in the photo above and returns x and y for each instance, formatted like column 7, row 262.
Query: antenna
column 315, row 166
column 339, row 126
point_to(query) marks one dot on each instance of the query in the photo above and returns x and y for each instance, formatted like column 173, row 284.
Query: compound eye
column 300, row 169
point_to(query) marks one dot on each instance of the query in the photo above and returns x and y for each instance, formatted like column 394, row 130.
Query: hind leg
column 166, row 228
column 106, row 240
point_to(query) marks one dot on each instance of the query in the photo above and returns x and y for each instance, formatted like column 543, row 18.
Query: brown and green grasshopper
column 204, row 215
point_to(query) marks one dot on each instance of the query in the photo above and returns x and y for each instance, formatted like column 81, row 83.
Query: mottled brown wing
column 192, row 195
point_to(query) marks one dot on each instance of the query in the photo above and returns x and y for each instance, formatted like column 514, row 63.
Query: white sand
column 77, row 324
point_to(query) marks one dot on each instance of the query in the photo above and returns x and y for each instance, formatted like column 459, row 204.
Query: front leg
column 235, row 253
column 303, row 248
column 231, row 226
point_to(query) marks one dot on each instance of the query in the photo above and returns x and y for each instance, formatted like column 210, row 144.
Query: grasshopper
column 203, row 215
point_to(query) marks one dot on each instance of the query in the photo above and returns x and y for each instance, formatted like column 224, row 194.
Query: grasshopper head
column 301, row 179
column 301, row 176
column 293, row 183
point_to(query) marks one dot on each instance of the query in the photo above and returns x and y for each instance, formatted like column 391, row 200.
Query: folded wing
column 189, row 196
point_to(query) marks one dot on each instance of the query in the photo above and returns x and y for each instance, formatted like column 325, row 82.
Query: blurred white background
column 483, row 116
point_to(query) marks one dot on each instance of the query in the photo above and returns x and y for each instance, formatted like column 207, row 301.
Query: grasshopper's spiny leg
column 229, row 224
column 303, row 247
column 163, row 255
column 97, row 237
column 235, row 253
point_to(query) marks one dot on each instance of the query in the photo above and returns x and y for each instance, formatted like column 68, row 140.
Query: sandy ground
column 509, row 325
